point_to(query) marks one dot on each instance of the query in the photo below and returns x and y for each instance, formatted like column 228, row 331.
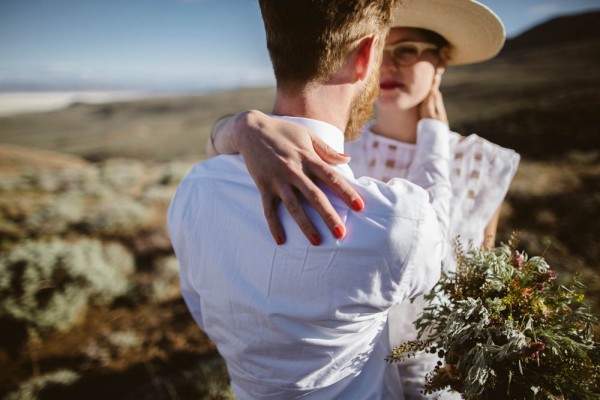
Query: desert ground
column 89, row 301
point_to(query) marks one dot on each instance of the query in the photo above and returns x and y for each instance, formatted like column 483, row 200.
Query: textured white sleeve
column 431, row 169
column 501, row 169
column 481, row 174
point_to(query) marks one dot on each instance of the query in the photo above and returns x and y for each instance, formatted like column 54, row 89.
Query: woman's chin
column 385, row 101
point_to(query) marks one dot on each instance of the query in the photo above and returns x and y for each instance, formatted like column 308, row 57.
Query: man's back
column 297, row 319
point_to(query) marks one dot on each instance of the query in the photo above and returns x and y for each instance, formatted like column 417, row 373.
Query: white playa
column 19, row 102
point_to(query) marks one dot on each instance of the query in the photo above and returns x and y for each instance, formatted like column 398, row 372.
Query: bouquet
column 504, row 329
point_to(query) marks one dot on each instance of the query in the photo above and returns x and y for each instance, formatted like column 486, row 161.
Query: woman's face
column 405, row 87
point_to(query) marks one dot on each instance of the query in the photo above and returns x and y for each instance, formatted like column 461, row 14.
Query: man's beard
column 361, row 108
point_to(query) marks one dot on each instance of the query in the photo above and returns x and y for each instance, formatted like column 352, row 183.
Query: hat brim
column 475, row 33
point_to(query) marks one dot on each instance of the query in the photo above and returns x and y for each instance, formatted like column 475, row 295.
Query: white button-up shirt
column 298, row 320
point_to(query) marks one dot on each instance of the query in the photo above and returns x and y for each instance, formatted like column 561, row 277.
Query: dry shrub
column 165, row 284
column 38, row 387
column 48, row 285
column 119, row 217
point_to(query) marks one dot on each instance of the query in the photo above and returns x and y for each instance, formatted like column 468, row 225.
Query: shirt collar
column 324, row 131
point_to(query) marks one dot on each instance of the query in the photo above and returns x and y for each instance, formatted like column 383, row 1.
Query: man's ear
column 367, row 56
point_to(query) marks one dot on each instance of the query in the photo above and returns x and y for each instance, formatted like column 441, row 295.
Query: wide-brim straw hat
column 473, row 30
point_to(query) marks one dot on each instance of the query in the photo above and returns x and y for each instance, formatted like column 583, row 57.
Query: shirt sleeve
column 176, row 221
column 431, row 169
column 425, row 263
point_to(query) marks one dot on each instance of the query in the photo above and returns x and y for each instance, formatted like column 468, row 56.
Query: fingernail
column 357, row 204
column 343, row 155
column 278, row 240
column 338, row 232
column 315, row 239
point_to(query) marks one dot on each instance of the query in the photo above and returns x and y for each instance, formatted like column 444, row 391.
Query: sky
column 166, row 45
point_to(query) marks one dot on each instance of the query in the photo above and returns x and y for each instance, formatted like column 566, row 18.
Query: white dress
column 481, row 173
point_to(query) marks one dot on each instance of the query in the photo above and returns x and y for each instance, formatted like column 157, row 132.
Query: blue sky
column 166, row 44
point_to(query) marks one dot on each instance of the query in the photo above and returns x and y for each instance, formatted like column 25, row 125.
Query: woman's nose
column 388, row 63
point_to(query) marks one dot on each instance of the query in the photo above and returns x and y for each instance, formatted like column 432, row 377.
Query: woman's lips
column 390, row 85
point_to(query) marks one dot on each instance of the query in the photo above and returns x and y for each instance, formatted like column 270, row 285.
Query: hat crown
column 473, row 30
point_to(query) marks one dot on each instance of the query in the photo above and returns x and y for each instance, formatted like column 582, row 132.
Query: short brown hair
column 308, row 40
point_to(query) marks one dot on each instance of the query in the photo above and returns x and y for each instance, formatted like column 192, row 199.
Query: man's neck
column 327, row 103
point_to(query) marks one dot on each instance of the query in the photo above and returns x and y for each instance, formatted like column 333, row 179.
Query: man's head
column 309, row 40
column 328, row 42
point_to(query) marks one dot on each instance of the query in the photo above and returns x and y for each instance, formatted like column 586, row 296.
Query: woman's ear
column 367, row 56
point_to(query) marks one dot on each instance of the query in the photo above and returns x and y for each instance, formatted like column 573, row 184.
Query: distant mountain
column 579, row 27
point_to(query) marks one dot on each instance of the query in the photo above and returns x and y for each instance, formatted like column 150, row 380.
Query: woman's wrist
column 218, row 136
column 245, row 123
column 215, row 131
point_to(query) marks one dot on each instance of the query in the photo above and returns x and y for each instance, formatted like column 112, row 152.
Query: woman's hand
column 283, row 158
column 433, row 105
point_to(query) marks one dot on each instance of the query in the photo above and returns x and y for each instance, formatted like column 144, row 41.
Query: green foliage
column 55, row 217
column 123, row 175
column 210, row 380
column 165, row 283
column 174, row 172
column 115, row 199
column 58, row 239
column 507, row 331
column 35, row 388
column 124, row 339
column 117, row 217
column 81, row 180
column 48, row 285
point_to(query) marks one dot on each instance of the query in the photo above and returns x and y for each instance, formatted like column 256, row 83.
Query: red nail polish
column 278, row 240
column 357, row 205
column 315, row 239
column 338, row 232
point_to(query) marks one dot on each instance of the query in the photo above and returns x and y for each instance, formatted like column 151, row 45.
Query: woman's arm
column 283, row 158
column 221, row 137
column 489, row 233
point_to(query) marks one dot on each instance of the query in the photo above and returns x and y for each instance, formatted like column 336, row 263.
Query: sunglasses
column 408, row 53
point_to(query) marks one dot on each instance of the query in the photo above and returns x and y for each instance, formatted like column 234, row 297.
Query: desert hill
column 14, row 159
column 152, row 129
column 570, row 28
